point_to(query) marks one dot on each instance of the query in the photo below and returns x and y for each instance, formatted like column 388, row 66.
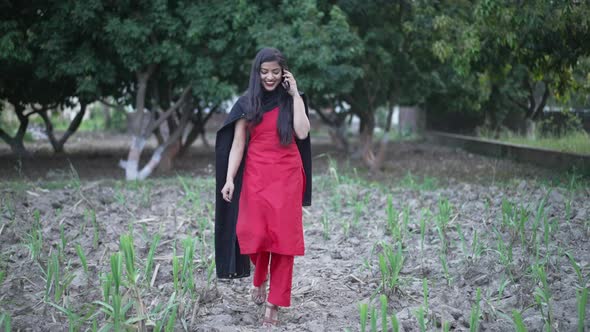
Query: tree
column 396, row 65
column 320, row 46
column 521, row 50
column 47, row 64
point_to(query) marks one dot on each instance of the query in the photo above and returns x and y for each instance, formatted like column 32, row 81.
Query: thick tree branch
column 325, row 118
column 5, row 137
column 531, row 97
column 111, row 105
column 24, row 122
column 542, row 102
column 74, row 125
column 517, row 103
column 169, row 112
column 49, row 129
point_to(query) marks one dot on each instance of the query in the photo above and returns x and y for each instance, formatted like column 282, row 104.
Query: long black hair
column 254, row 96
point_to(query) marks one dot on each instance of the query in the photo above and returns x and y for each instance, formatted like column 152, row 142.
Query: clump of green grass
column 475, row 312
column 57, row 280
column 411, row 181
column 391, row 262
column 34, row 239
column 367, row 311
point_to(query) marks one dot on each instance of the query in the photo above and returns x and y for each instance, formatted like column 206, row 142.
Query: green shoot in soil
column 383, row 300
column 543, row 295
column 445, row 267
column 421, row 319
column 391, row 263
column 582, row 299
column 34, row 239
column 5, row 321
column 82, row 257
column 475, row 312
column 394, row 323
column 364, row 313
column 150, row 258
column 325, row 227
column 518, row 323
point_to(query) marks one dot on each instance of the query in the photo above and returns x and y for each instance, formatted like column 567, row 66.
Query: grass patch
column 575, row 142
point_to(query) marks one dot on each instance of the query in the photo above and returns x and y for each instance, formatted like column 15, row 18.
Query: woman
column 263, row 165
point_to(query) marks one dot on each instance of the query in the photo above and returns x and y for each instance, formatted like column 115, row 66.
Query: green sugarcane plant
column 373, row 319
column 210, row 271
column 187, row 276
column 542, row 295
column 167, row 315
column 582, row 300
column 75, row 321
column 581, row 292
column 359, row 207
column 34, row 239
column 82, row 257
column 518, row 322
column 445, row 267
column 477, row 247
column 392, row 215
column 95, row 231
column 505, row 252
column 383, row 300
column 55, row 280
column 364, row 313
column 5, row 321
column 175, row 271
column 421, row 319
column 63, row 242
column 391, row 263
column 475, row 312
column 394, row 323
column 150, row 258
column 128, row 249
column 325, row 227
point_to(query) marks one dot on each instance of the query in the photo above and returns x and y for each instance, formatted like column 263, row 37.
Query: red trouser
column 281, row 276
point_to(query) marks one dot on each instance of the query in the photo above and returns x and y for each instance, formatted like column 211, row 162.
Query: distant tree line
column 177, row 61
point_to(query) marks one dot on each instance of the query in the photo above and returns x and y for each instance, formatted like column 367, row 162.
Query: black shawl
column 229, row 262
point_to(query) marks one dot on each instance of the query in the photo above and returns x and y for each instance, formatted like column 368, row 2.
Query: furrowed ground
column 440, row 238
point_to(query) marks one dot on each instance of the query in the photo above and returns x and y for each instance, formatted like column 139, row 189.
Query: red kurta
column 270, row 213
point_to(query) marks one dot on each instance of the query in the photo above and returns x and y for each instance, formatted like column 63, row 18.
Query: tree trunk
column 172, row 146
column 139, row 134
column 197, row 130
column 366, row 132
column 529, row 129
column 58, row 145
column 336, row 128
column 389, row 118
column 535, row 109
column 16, row 143
column 16, row 146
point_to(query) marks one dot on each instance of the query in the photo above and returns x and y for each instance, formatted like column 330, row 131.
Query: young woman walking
column 263, row 179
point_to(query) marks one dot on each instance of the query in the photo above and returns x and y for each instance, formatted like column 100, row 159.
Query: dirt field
column 458, row 222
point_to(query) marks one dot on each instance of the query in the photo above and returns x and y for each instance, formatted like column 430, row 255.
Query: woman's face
column 271, row 75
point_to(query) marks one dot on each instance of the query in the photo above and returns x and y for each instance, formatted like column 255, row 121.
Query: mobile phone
column 285, row 84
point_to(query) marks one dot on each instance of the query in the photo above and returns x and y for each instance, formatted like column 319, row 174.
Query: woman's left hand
column 288, row 76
